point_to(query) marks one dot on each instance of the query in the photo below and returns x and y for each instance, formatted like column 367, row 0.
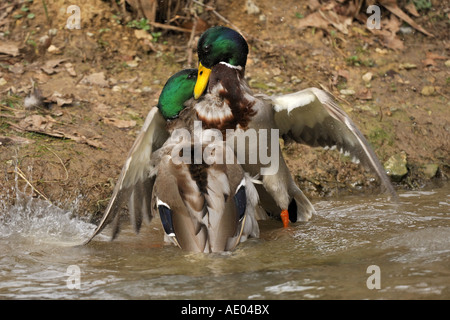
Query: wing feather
column 135, row 182
column 312, row 117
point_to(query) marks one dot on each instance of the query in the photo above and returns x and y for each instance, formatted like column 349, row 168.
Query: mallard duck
column 204, row 207
column 310, row 116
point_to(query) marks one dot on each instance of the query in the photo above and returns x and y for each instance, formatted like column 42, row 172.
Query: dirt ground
column 97, row 84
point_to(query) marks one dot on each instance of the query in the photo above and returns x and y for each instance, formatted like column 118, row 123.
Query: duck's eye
column 207, row 48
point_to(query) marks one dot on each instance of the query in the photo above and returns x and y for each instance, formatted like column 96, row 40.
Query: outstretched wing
column 312, row 117
column 135, row 183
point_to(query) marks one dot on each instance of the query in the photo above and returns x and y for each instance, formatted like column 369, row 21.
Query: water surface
column 326, row 258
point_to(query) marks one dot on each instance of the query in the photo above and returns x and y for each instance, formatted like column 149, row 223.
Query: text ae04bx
column 230, row 309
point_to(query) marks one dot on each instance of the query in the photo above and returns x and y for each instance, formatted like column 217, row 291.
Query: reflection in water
column 326, row 258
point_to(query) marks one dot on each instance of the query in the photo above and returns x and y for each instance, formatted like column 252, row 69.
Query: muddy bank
column 97, row 83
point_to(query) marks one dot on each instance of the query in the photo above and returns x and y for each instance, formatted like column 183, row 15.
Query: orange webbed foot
column 285, row 218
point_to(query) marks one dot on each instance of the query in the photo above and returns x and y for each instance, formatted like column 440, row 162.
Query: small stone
column 395, row 166
column 251, row 7
column 406, row 30
column 407, row 66
column 427, row 91
column 295, row 79
column 381, row 51
column 132, row 64
column 142, row 34
column 367, row 77
column 2, row 82
column 278, row 79
column 53, row 49
column 347, row 92
column 276, row 71
column 429, row 170
column 447, row 63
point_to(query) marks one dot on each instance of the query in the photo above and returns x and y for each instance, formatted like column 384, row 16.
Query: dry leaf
column 44, row 125
column 102, row 109
column 201, row 27
column 50, row 67
column 60, row 99
column 393, row 7
column 388, row 31
column 17, row 68
column 122, row 124
column 36, row 123
column 315, row 20
column 9, row 48
column 411, row 8
column 434, row 56
column 70, row 69
column 13, row 140
column 339, row 22
column 344, row 73
column 313, row 5
column 93, row 142
column 429, row 62
column 96, row 79
column 365, row 94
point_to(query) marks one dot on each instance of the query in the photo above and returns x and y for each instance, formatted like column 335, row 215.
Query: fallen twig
column 190, row 43
column 60, row 160
column 22, row 175
column 169, row 27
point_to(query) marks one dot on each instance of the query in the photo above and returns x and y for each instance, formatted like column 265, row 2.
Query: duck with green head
column 178, row 89
column 310, row 116
column 203, row 207
column 216, row 45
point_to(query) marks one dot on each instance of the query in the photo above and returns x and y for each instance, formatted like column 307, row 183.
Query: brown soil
column 101, row 118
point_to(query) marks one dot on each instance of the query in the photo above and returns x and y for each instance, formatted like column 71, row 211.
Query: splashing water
column 41, row 221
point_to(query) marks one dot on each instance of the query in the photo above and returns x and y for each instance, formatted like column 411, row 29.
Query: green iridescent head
column 222, row 44
column 219, row 44
column 177, row 90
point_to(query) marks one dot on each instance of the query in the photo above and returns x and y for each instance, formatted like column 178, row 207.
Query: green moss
column 422, row 4
column 379, row 136
column 12, row 101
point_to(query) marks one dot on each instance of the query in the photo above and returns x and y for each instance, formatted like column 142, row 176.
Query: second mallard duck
column 310, row 116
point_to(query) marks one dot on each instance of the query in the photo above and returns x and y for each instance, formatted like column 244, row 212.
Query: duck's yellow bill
column 202, row 81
